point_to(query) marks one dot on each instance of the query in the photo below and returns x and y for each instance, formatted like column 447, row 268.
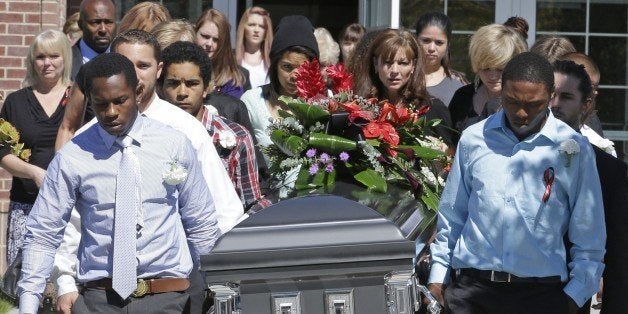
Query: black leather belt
column 500, row 276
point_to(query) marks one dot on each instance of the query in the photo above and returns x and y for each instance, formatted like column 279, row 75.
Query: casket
column 320, row 254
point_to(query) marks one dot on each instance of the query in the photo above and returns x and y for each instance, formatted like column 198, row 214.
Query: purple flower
column 329, row 167
column 325, row 158
column 310, row 153
column 344, row 156
column 313, row 169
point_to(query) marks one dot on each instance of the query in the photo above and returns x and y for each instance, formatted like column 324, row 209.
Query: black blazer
column 614, row 182
column 77, row 60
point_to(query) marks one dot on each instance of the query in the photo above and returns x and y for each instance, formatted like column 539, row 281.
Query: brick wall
column 20, row 22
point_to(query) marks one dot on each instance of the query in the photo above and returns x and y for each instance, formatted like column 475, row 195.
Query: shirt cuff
column 439, row 274
column 66, row 284
column 577, row 292
column 29, row 303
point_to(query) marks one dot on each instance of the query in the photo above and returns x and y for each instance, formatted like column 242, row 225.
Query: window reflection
column 561, row 16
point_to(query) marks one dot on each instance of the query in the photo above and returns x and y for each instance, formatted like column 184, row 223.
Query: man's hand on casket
column 438, row 291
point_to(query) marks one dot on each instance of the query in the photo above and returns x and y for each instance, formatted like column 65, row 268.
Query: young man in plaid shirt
column 184, row 80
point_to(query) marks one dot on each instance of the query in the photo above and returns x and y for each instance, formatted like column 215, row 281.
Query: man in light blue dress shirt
column 174, row 209
column 521, row 180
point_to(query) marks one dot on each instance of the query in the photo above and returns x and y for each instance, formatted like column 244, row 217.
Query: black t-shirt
column 38, row 132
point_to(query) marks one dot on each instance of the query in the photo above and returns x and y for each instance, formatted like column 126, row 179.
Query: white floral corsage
column 606, row 145
column 226, row 139
column 569, row 148
column 175, row 173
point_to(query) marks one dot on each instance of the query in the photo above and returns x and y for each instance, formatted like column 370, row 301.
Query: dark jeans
column 470, row 295
column 106, row 302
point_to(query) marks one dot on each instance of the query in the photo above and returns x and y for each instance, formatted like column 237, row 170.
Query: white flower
column 175, row 173
column 569, row 148
column 606, row 145
column 429, row 176
column 212, row 110
column 227, row 139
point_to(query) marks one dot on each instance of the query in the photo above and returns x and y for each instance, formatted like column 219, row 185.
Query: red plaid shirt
column 239, row 161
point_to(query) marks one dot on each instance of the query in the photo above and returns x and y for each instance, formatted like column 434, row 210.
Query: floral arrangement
column 374, row 144
column 9, row 135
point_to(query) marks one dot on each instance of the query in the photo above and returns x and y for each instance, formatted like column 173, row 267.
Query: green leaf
column 372, row 180
column 424, row 152
column 430, row 198
column 308, row 114
column 331, row 143
column 284, row 114
column 434, row 122
column 307, row 181
column 290, row 145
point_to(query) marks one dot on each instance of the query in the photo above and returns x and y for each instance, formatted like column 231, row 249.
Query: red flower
column 355, row 111
column 403, row 115
column 309, row 80
column 382, row 130
column 342, row 80
column 423, row 110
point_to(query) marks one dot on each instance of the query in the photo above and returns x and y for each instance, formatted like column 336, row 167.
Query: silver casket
column 320, row 254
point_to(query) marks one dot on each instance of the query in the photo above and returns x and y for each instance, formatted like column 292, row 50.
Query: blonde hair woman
column 36, row 112
column 491, row 47
column 171, row 31
column 253, row 40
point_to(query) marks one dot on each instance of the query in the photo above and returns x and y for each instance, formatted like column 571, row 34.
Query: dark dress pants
column 470, row 295
column 108, row 302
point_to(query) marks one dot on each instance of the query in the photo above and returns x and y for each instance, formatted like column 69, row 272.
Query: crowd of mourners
column 147, row 137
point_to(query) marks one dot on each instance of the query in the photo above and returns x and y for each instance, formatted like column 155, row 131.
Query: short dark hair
column 529, row 67
column 184, row 51
column 570, row 68
column 107, row 65
column 136, row 36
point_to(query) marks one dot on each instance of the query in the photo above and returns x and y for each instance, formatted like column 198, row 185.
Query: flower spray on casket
column 330, row 136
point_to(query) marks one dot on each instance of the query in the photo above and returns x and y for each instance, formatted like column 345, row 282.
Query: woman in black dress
column 36, row 112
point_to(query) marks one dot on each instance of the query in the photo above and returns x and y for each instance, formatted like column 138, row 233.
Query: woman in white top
column 253, row 41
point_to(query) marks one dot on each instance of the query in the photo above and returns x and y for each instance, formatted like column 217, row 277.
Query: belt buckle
column 494, row 279
column 142, row 289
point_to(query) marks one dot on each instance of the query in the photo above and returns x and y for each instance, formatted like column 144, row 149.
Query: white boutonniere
column 569, row 148
column 605, row 144
column 175, row 173
column 227, row 139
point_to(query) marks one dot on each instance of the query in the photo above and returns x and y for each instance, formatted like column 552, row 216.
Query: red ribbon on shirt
column 548, row 178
